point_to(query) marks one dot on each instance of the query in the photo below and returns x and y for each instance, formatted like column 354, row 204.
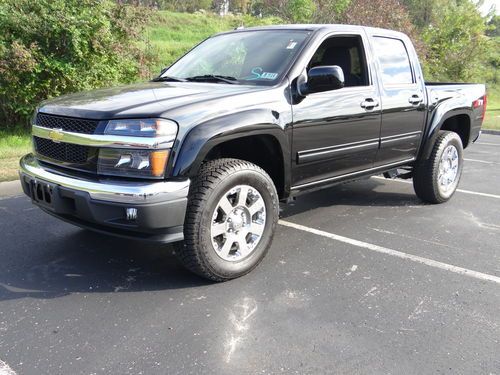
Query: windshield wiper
column 168, row 78
column 214, row 77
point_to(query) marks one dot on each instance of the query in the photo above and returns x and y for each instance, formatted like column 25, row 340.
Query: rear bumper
column 101, row 205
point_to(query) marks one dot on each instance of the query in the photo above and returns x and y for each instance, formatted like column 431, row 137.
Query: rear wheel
column 230, row 220
column 436, row 179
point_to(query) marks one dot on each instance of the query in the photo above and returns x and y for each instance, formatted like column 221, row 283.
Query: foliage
column 51, row 47
column 173, row 34
column 388, row 14
column 456, row 43
column 300, row 11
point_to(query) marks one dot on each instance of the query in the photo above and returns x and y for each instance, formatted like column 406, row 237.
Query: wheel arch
column 264, row 143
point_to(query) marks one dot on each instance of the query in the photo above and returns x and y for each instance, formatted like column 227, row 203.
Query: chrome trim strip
column 339, row 146
column 381, row 167
column 106, row 189
column 328, row 152
column 99, row 140
column 384, row 141
column 402, row 135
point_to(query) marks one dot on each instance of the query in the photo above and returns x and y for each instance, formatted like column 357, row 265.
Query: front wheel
column 230, row 221
column 436, row 179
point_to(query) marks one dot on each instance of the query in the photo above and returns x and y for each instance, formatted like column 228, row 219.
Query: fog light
column 131, row 214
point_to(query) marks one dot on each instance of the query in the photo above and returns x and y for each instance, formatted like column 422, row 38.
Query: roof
column 324, row 27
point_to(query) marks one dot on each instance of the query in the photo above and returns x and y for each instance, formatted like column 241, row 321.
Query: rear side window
column 394, row 61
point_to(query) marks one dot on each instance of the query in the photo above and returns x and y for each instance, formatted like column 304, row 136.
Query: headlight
column 149, row 127
column 132, row 163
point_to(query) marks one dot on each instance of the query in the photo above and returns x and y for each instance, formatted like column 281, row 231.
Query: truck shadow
column 62, row 260
column 361, row 193
column 87, row 262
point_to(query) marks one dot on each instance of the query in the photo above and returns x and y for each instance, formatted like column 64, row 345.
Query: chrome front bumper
column 106, row 189
column 105, row 205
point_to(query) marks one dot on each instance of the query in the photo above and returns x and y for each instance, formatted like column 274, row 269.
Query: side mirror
column 322, row 78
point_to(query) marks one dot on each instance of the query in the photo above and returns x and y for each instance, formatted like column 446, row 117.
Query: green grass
column 492, row 119
column 13, row 144
column 171, row 34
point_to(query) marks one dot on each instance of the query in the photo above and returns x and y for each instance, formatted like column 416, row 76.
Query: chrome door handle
column 369, row 103
column 415, row 99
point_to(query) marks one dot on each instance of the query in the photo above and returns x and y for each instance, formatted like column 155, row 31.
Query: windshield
column 258, row 57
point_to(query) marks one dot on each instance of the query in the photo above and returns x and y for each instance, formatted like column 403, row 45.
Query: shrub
column 52, row 47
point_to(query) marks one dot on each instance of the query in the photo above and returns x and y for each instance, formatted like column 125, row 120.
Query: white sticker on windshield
column 259, row 73
column 291, row 45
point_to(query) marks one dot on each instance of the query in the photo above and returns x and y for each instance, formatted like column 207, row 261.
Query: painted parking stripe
column 395, row 253
column 460, row 190
column 487, row 144
column 481, row 161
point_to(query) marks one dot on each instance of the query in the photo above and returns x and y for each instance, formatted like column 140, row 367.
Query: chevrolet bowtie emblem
column 56, row 135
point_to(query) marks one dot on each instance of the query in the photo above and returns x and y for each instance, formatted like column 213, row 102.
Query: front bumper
column 101, row 205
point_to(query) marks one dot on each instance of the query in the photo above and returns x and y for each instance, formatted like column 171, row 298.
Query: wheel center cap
column 236, row 220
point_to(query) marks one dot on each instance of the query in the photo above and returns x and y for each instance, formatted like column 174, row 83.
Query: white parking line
column 5, row 369
column 481, row 161
column 487, row 144
column 460, row 190
column 395, row 253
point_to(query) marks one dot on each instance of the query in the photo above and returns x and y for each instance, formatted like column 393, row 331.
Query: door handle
column 369, row 103
column 415, row 99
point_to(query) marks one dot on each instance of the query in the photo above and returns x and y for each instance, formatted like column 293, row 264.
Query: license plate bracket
column 42, row 193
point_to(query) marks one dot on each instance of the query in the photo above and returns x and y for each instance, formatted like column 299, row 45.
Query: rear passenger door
column 402, row 99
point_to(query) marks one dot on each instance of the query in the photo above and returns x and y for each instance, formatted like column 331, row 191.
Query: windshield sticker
column 291, row 45
column 258, row 73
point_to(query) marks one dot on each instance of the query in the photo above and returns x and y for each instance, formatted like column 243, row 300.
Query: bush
column 52, row 47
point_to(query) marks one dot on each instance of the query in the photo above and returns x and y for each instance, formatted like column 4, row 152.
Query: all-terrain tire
column 426, row 174
column 214, row 180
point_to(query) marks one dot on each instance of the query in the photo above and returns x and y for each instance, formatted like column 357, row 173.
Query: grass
column 171, row 34
column 13, row 144
column 492, row 119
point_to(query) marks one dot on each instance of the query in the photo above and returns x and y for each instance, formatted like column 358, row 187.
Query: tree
column 456, row 43
column 52, row 47
column 388, row 14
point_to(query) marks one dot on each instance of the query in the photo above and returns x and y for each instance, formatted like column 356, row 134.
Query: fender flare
column 203, row 137
column 437, row 119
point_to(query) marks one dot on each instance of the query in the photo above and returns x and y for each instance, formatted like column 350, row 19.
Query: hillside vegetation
column 169, row 35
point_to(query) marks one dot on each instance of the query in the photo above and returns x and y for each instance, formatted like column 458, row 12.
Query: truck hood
column 151, row 99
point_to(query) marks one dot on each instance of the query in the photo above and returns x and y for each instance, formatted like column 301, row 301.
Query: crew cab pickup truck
column 203, row 154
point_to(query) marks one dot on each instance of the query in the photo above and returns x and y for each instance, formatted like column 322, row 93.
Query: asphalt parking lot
column 362, row 278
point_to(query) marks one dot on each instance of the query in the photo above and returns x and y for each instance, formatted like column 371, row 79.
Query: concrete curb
column 493, row 132
column 10, row 188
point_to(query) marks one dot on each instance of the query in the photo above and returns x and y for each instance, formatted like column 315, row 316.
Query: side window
column 394, row 61
column 346, row 52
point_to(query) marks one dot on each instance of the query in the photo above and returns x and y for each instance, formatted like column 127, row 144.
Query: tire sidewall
column 263, row 184
column 454, row 140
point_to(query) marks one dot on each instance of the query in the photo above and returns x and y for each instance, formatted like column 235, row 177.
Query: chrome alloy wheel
column 448, row 169
column 238, row 223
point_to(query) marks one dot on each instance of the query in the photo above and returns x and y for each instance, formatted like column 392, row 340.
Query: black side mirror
column 323, row 78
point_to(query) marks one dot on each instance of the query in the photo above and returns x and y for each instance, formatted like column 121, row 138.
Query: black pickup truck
column 203, row 154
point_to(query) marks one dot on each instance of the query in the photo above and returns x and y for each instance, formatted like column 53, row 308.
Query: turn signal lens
column 158, row 160
column 132, row 163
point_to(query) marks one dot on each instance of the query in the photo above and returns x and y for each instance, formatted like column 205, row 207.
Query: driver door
column 336, row 132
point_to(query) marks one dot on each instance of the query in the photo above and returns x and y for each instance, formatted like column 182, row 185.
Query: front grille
column 75, row 125
column 64, row 152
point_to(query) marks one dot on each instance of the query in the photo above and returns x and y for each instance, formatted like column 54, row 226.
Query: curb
column 492, row 132
column 10, row 188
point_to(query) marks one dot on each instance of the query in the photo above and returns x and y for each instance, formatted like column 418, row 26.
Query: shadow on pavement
column 359, row 193
column 86, row 262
